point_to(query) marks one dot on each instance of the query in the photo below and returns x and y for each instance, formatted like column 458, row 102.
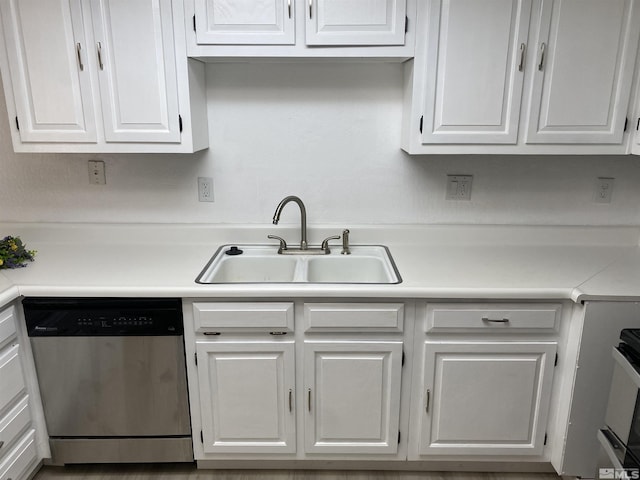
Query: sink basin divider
column 301, row 272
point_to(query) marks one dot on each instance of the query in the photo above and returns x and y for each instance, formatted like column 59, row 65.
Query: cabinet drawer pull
column 79, row 55
column 289, row 7
column 495, row 320
column 212, row 333
column 310, row 9
column 100, row 56
column 290, row 400
column 277, row 333
column 309, row 399
column 427, row 400
column 522, row 51
column 543, row 48
column 1, row 443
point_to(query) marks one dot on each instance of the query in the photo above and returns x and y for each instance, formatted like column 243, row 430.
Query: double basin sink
column 367, row 264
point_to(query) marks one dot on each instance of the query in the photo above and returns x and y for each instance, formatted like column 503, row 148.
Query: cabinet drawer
column 493, row 317
column 372, row 317
column 11, row 377
column 13, row 424
column 7, row 325
column 230, row 316
column 19, row 461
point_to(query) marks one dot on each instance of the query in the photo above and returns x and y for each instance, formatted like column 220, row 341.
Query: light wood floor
column 182, row 472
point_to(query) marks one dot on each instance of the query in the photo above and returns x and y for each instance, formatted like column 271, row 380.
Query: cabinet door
column 247, row 396
column 258, row 22
column 11, row 376
column 357, row 22
column 585, row 57
column 352, row 397
column 137, row 70
column 47, row 54
column 475, row 70
column 485, row 398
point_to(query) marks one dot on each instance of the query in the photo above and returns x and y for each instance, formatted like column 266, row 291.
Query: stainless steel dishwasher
column 112, row 377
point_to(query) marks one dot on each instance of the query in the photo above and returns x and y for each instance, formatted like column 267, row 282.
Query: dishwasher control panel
column 47, row 317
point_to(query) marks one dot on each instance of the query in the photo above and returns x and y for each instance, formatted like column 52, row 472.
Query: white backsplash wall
column 329, row 133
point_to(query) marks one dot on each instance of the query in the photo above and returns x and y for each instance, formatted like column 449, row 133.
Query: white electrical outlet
column 604, row 190
column 205, row 189
column 459, row 187
column 96, row 173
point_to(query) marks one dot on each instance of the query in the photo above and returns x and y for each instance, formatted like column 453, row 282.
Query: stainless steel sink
column 367, row 264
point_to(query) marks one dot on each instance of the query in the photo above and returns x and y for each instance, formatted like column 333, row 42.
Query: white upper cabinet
column 46, row 47
column 475, row 59
column 357, row 22
column 585, row 54
column 521, row 76
column 101, row 76
column 139, row 92
column 262, row 22
column 301, row 28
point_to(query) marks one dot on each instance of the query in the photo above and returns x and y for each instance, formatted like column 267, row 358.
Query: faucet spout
column 303, row 217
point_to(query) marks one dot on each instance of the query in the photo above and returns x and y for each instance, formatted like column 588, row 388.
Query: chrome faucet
column 304, row 247
column 303, row 218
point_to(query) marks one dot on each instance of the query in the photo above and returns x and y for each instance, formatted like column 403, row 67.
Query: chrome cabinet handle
column 79, row 55
column 290, row 400
column 543, row 49
column 289, row 7
column 100, row 56
column 427, row 401
column 495, row 320
column 1, row 443
column 309, row 399
column 310, row 9
column 522, row 51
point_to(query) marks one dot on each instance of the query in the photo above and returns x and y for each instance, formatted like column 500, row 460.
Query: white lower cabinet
column 20, row 462
column 483, row 377
column 340, row 381
column 19, row 456
column 246, row 396
column 352, row 392
column 259, row 378
column 484, row 398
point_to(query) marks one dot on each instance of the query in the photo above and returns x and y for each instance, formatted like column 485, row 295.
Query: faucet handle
column 283, row 242
column 325, row 243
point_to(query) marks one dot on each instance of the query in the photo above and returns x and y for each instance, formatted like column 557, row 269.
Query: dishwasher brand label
column 38, row 328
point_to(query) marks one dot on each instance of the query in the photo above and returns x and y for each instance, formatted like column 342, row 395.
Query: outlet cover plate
column 205, row 189
column 604, row 190
column 459, row 187
column 96, row 173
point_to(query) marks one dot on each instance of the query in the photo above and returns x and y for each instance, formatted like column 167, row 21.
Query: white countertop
column 473, row 262
column 8, row 291
column 620, row 281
